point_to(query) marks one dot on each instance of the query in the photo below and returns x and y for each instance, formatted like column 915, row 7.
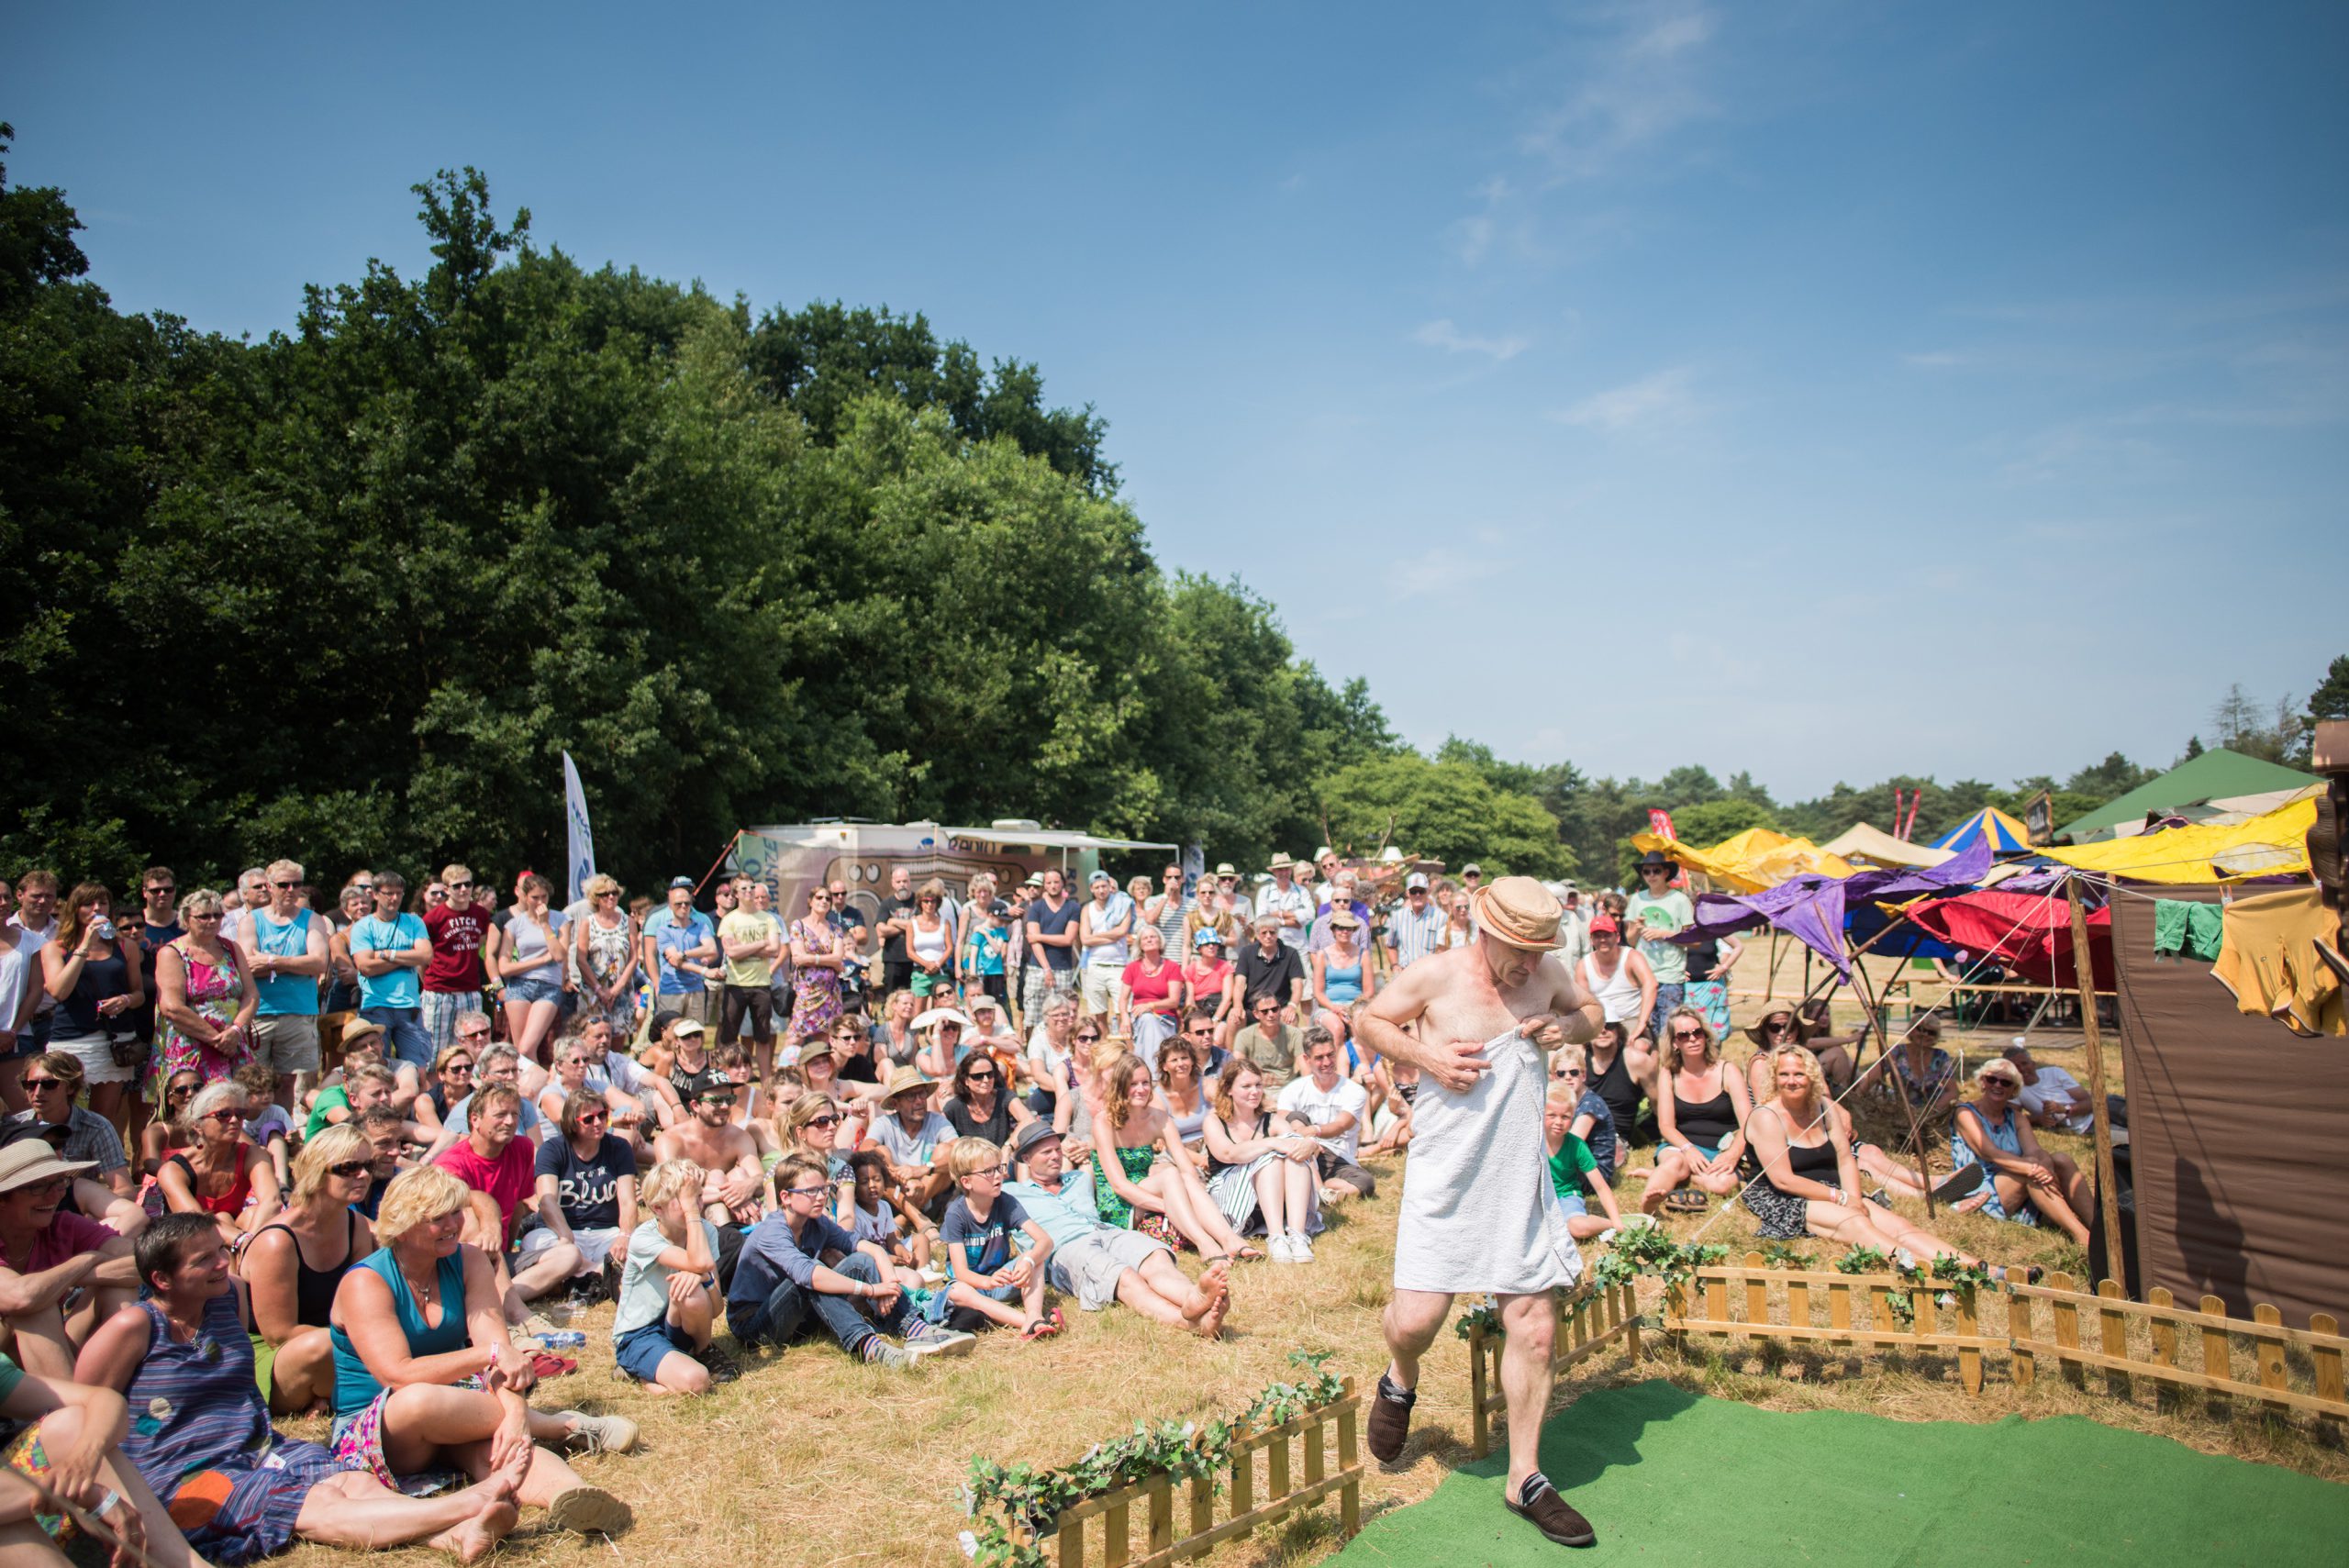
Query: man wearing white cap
column 1416, row 930
column 1479, row 1213
column 1290, row 905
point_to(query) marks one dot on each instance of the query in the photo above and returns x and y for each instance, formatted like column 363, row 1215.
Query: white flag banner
column 582, row 840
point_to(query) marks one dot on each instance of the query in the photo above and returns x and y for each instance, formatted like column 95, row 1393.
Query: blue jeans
column 411, row 1042
column 782, row 1316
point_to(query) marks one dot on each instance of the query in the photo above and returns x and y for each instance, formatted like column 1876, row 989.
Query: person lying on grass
column 989, row 1283
column 668, row 1305
column 893, row 1237
column 182, row 1358
column 1099, row 1263
column 1572, row 1168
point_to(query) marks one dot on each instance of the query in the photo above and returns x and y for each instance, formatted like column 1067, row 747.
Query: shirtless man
column 1479, row 1213
column 710, row 1139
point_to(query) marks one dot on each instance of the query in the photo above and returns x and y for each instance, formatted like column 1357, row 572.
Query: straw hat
column 31, row 1159
column 1518, row 911
column 1804, row 1027
column 1280, row 858
column 904, row 1081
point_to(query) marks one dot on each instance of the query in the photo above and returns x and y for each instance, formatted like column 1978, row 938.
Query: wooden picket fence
column 1588, row 1321
column 1287, row 1488
column 2279, row 1357
column 1753, row 1301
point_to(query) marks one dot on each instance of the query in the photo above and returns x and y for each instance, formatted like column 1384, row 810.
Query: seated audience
column 1574, row 1169
column 1700, row 1117
column 1810, row 1183
column 990, row 1282
column 663, row 1330
column 1255, row 1169
column 183, row 1360
column 911, row 1135
column 220, row 1174
column 71, row 1444
column 426, row 1380
column 982, row 1105
column 1594, row 1119
column 1326, row 1105
column 499, row 1066
column 733, row 1183
column 896, row 1239
column 450, row 1077
column 1182, row 1089
column 2024, row 1179
column 498, row 1167
column 1919, row 1068
column 53, row 1082
column 585, row 1181
column 389, row 1149
column 60, row 1274
column 1098, row 1263
column 798, row 1269
column 168, row 1130
column 1271, row 1043
column 1782, row 1027
column 294, row 1265
column 1134, row 1186
column 2053, row 1098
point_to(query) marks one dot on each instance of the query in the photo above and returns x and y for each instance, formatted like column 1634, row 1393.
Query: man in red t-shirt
column 502, row 1170
column 452, row 981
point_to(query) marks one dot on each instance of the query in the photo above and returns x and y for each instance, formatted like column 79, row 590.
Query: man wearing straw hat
column 1479, row 1213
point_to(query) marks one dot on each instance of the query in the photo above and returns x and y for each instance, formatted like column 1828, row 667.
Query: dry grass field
column 810, row 1459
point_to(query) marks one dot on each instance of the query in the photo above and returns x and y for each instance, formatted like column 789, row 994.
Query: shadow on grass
column 1600, row 1430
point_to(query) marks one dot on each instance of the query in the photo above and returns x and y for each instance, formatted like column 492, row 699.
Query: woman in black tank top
column 1811, row 1188
column 1700, row 1112
column 294, row 1265
column 1614, row 1082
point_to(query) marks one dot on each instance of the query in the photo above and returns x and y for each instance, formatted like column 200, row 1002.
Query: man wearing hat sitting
column 911, row 1135
column 1478, row 1211
column 60, row 1274
column 1099, row 1263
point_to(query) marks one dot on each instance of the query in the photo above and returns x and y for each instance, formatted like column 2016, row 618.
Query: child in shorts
column 668, row 1298
column 987, row 1283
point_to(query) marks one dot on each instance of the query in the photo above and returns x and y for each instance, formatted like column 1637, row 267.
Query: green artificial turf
column 1669, row 1476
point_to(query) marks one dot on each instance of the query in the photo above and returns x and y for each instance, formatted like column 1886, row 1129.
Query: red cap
column 1604, row 923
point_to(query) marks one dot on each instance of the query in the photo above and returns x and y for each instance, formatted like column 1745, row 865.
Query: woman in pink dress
column 204, row 1000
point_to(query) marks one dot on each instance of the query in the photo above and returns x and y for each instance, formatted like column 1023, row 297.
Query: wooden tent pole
column 2107, row 1185
column 1884, row 1049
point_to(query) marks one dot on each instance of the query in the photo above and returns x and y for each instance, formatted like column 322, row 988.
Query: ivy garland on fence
column 1015, row 1504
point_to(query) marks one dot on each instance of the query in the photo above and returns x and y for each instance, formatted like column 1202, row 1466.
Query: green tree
column 1446, row 811
column 2331, row 698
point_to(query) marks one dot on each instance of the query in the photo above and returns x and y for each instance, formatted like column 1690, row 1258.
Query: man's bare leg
column 1412, row 1320
column 1529, row 1322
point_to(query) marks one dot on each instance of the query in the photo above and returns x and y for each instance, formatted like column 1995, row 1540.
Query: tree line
column 345, row 594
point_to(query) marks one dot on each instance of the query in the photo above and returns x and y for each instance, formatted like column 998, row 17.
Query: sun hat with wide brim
column 1804, row 1029
column 1519, row 912
column 31, row 1159
column 1280, row 858
column 904, row 1081
column 359, row 1030
column 937, row 1016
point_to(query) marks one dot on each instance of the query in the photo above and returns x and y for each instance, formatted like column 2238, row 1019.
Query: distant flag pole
column 582, row 840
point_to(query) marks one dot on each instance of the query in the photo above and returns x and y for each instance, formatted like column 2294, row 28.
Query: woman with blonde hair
column 426, row 1378
column 204, row 1000
column 604, row 952
column 294, row 1265
column 1143, row 1176
column 1700, row 1117
column 1257, row 1170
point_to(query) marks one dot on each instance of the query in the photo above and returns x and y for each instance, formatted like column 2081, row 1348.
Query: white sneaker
column 1300, row 1251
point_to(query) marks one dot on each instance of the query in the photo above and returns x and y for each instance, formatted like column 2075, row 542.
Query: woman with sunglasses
column 606, row 949
column 819, row 955
column 204, row 1000
column 294, row 1265
column 168, row 1130
column 220, row 1174
column 1699, row 1119
column 929, row 942
column 586, row 1187
column 451, row 1079
column 982, row 1105
column 2024, row 1177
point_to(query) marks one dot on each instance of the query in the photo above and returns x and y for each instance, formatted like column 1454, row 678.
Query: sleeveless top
column 240, row 1189
column 1113, row 1209
column 1190, row 1129
column 1342, row 984
column 1813, row 1163
column 293, row 994
column 1704, row 1121
column 2001, row 1134
column 607, row 948
column 194, row 1403
column 1618, row 993
column 100, row 978
column 314, row 1288
column 1622, row 1095
column 355, row 1387
column 928, row 944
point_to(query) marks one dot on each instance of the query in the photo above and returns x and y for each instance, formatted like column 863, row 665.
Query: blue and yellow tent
column 2006, row 836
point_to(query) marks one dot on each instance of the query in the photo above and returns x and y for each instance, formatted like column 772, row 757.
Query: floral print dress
column 815, row 991
column 214, row 990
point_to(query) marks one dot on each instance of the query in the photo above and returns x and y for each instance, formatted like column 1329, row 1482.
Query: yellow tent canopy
column 1861, row 842
column 1750, row 861
column 2270, row 845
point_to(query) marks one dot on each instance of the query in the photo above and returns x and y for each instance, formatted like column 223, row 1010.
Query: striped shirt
column 1414, row 936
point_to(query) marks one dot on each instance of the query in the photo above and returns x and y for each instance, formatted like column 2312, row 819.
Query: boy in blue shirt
column 986, row 1279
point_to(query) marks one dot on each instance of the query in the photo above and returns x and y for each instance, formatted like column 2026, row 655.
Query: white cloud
column 1443, row 334
column 1665, row 398
column 1636, row 86
column 1438, row 572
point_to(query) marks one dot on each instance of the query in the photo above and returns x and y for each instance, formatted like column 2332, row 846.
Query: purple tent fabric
column 1810, row 908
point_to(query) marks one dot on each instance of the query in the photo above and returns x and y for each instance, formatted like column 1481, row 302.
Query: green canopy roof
column 2216, row 774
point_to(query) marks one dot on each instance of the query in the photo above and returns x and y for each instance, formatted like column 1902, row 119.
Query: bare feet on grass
column 1211, row 1300
column 469, row 1540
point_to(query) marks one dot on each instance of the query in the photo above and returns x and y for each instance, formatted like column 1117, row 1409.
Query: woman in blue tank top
column 419, row 1332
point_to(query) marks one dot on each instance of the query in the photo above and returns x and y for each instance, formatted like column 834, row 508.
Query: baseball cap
column 688, row 1026
column 1604, row 923
column 1418, row 879
column 1100, row 875
column 1472, row 868
column 677, row 882
column 1208, row 936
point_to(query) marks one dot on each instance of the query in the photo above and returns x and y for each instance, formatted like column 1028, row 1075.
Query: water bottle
column 564, row 1340
column 105, row 928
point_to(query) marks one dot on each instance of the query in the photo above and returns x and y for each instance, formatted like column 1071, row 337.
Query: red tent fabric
column 2029, row 934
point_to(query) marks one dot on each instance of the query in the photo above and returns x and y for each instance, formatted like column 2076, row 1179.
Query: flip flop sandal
column 1250, row 1254
column 1957, row 1184
column 1685, row 1202
column 1058, row 1322
column 1041, row 1328
column 547, row 1365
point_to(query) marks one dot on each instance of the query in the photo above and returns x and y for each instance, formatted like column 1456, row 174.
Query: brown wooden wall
column 2239, row 1130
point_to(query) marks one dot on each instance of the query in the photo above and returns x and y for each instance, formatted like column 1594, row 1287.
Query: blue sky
column 1827, row 389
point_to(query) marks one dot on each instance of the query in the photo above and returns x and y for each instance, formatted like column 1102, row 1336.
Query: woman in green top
column 1144, row 1179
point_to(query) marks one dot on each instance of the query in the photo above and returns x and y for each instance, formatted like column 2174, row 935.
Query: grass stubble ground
column 811, row 1460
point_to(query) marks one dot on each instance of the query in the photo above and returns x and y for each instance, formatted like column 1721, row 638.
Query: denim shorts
column 533, row 990
column 639, row 1350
